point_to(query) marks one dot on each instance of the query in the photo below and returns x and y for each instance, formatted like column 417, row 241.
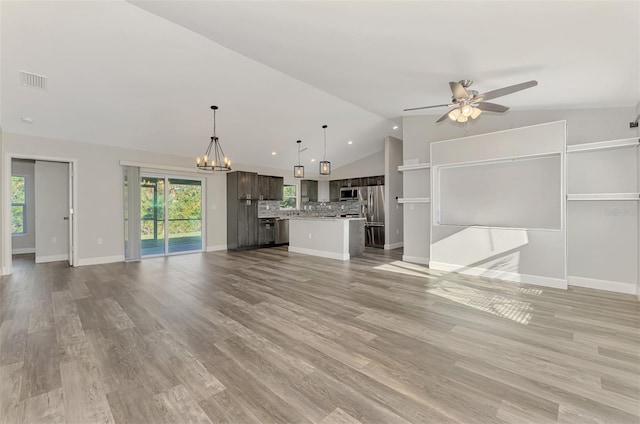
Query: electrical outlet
column 309, row 236
column 397, row 231
column 99, row 241
column 342, row 207
column 54, row 240
column 267, row 207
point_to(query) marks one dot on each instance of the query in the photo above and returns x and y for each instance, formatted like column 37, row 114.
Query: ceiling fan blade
column 459, row 92
column 506, row 90
column 423, row 107
column 492, row 107
column 445, row 116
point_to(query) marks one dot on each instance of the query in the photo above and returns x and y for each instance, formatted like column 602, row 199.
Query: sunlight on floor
column 406, row 268
column 495, row 304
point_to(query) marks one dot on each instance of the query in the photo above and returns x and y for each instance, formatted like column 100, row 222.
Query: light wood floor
column 268, row 336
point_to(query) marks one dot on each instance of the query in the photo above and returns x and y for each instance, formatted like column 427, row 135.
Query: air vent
column 33, row 80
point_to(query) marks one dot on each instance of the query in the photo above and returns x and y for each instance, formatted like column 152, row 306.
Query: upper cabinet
column 309, row 190
column 270, row 188
column 247, row 185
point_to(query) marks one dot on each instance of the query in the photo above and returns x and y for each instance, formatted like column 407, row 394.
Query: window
column 18, row 205
column 288, row 197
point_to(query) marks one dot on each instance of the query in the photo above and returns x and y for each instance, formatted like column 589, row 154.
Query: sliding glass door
column 171, row 215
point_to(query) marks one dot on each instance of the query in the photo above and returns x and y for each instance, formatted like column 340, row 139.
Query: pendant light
column 325, row 165
column 298, row 170
column 217, row 162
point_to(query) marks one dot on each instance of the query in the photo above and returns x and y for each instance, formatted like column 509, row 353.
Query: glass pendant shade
column 466, row 110
column 298, row 170
column 325, row 167
column 476, row 112
column 454, row 114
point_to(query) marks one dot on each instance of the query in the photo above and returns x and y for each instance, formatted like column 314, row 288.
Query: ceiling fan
column 470, row 104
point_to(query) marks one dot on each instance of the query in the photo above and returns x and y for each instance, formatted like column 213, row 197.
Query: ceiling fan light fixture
column 454, row 114
column 476, row 112
column 466, row 110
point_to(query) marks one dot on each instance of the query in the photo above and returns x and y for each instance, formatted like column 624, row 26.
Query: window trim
column 295, row 197
column 24, row 207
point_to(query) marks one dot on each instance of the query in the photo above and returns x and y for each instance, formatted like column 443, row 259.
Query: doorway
column 39, row 194
column 171, row 219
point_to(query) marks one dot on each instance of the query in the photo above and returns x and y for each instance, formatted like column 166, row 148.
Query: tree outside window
column 288, row 197
column 18, row 205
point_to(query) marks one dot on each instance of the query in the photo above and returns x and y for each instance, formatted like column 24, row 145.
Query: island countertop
column 325, row 218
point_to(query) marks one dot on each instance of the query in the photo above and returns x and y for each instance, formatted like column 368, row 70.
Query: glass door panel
column 152, row 214
column 184, row 211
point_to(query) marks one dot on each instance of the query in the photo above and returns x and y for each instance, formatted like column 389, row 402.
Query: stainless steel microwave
column 349, row 193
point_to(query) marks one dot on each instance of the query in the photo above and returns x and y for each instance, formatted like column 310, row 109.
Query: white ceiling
column 143, row 74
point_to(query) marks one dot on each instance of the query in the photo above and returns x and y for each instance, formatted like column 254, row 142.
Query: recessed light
column 273, row 153
column 350, row 142
column 313, row 160
column 27, row 120
column 395, row 127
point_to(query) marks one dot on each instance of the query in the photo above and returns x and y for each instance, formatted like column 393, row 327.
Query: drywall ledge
column 601, row 145
column 603, row 196
column 501, row 275
column 414, row 167
column 414, row 200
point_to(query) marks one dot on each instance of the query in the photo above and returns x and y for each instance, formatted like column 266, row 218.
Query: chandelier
column 216, row 161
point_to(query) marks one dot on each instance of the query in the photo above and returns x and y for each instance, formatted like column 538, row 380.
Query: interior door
column 71, row 213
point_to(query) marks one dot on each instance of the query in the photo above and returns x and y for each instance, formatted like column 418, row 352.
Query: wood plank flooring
column 266, row 336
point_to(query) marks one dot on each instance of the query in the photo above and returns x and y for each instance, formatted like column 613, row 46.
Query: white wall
column 51, row 206
column 99, row 208
column 100, row 196
column 26, row 243
column 638, row 158
column 583, row 125
column 3, row 266
column 393, row 218
column 368, row 166
column 530, row 255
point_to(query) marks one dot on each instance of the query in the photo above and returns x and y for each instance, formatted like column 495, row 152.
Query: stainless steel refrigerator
column 372, row 209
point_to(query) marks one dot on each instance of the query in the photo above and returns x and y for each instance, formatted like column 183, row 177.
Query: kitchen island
column 336, row 238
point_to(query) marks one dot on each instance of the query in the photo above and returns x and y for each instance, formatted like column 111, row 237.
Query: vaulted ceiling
column 143, row 74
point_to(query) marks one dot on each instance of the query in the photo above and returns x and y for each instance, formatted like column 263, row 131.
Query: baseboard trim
column 52, row 258
column 100, row 260
column 415, row 259
column 321, row 253
column 537, row 280
column 23, row 251
column 216, row 248
column 392, row 246
column 594, row 283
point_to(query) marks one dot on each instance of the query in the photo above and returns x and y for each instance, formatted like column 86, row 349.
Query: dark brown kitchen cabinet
column 242, row 209
column 277, row 187
column 270, row 188
column 334, row 190
column 309, row 190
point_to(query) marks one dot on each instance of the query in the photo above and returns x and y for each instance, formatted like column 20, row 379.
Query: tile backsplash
column 271, row 208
